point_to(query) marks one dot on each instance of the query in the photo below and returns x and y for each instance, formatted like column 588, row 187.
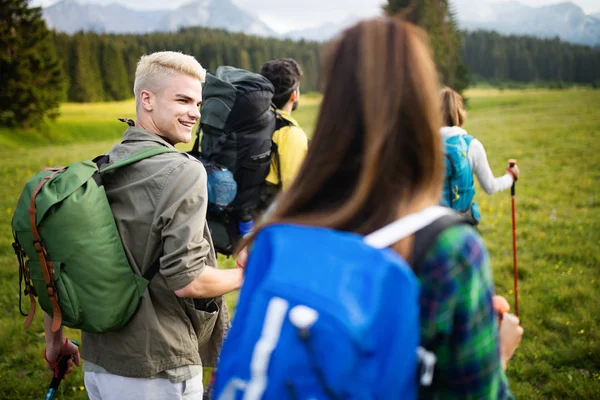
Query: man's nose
column 194, row 113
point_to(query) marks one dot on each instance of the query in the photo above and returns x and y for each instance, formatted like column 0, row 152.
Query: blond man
column 159, row 205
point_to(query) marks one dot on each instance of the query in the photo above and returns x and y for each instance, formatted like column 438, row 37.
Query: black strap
column 153, row 270
column 196, row 148
column 275, row 152
column 280, row 122
column 128, row 121
column 426, row 237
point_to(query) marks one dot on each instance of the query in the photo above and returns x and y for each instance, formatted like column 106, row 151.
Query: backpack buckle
column 39, row 247
column 427, row 360
column 51, row 288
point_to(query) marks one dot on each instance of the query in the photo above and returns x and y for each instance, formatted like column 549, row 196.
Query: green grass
column 553, row 134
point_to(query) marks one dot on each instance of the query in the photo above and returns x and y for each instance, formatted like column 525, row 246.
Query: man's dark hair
column 285, row 75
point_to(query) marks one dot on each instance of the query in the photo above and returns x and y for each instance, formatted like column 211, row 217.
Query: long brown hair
column 376, row 145
column 453, row 108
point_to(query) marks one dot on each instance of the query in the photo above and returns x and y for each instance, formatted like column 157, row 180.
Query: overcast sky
column 288, row 15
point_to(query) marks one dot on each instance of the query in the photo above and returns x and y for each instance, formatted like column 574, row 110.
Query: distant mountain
column 565, row 20
column 321, row 33
column 216, row 14
column 71, row 16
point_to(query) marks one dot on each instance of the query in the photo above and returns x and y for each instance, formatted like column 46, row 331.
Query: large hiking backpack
column 459, row 188
column 77, row 266
column 328, row 314
column 237, row 121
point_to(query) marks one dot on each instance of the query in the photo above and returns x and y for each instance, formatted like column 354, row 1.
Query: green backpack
column 76, row 266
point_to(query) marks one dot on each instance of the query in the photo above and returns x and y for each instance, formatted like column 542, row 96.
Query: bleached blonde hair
column 154, row 69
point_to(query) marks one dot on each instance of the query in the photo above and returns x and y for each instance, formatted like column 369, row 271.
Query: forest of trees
column 31, row 78
column 101, row 67
column 496, row 58
column 437, row 19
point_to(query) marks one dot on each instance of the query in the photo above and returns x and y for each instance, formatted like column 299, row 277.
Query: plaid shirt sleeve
column 458, row 322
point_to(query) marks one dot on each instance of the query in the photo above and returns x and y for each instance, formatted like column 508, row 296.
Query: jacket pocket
column 205, row 315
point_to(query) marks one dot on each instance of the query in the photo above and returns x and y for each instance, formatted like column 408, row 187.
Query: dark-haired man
column 291, row 141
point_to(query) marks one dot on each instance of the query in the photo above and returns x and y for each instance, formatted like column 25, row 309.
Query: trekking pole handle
column 511, row 163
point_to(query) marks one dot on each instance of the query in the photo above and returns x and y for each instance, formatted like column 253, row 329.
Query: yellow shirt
column 292, row 145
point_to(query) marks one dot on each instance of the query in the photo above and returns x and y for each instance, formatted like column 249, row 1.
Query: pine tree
column 30, row 72
column 437, row 18
column 86, row 83
column 113, row 71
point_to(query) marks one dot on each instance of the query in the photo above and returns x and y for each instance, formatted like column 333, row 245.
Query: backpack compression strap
column 45, row 264
column 135, row 157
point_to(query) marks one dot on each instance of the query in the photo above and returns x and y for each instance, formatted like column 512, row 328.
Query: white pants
column 105, row 386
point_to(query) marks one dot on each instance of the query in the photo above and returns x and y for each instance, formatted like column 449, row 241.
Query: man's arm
column 213, row 282
column 181, row 220
column 57, row 344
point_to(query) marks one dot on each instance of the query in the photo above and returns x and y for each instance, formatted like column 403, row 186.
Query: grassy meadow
column 553, row 134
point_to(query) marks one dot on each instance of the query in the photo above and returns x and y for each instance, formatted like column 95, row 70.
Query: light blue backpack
column 459, row 187
column 325, row 314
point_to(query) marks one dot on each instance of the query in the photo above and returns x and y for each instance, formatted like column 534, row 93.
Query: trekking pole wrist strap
column 54, row 364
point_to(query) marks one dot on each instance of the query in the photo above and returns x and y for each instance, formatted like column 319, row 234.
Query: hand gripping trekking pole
column 59, row 374
column 511, row 164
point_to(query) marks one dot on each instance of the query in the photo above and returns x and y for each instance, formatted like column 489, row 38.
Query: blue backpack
column 326, row 314
column 459, row 188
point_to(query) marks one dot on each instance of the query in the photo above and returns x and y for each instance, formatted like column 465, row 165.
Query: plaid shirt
column 458, row 322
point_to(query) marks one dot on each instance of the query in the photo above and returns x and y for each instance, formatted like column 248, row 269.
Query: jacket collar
column 136, row 134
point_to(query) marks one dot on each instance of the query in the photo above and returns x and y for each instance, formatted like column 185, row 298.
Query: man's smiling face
column 175, row 107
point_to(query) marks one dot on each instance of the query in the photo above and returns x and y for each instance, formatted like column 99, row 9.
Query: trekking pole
column 62, row 368
column 512, row 163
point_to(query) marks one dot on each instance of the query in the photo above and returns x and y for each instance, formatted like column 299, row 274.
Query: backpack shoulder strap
column 152, row 270
column 468, row 139
column 426, row 237
column 426, row 225
column 405, row 226
column 138, row 156
column 280, row 122
column 135, row 157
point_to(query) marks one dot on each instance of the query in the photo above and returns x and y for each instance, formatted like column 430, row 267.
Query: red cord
column 54, row 365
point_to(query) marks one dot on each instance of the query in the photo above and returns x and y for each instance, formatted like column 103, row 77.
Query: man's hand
column 53, row 355
column 242, row 258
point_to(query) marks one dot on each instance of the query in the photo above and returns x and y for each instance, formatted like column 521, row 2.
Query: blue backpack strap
column 468, row 139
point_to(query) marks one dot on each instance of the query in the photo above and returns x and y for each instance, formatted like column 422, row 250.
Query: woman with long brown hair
column 375, row 157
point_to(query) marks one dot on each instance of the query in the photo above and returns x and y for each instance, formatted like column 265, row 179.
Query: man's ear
column 293, row 96
column 146, row 100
